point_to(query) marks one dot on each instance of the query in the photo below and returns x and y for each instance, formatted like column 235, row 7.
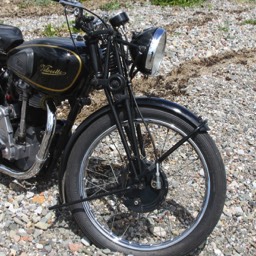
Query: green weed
column 110, row 6
column 183, row 3
column 27, row 3
column 249, row 22
column 43, row 2
column 50, row 31
column 224, row 27
column 53, row 31
column 246, row 1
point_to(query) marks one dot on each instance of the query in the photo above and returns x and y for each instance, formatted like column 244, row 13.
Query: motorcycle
column 141, row 175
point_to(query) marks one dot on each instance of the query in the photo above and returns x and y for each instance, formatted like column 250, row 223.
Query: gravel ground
column 211, row 59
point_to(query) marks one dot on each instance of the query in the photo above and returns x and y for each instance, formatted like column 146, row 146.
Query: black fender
column 157, row 103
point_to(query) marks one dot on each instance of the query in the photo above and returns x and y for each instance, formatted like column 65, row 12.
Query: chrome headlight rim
column 156, row 50
column 149, row 53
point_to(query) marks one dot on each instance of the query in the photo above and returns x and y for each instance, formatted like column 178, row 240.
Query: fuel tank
column 52, row 65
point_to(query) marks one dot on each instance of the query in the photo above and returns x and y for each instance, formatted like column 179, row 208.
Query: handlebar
column 81, row 19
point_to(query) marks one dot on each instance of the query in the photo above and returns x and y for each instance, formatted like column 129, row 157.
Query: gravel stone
column 85, row 241
column 210, row 68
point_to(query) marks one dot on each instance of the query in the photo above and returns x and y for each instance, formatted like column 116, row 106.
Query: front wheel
column 146, row 220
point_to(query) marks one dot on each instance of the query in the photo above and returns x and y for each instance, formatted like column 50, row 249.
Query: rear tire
column 178, row 220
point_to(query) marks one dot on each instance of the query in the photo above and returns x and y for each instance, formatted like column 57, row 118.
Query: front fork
column 131, row 135
column 127, row 133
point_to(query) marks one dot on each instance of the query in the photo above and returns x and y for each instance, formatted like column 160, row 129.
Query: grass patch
column 183, row 3
column 225, row 27
column 246, row 1
column 28, row 3
column 249, row 22
column 42, row 2
column 62, row 30
column 50, row 31
column 111, row 6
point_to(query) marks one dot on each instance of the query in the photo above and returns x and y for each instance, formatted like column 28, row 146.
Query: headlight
column 150, row 51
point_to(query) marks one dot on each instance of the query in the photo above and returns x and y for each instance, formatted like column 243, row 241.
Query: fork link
column 133, row 137
column 121, row 132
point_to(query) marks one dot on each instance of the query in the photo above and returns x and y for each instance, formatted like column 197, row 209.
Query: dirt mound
column 176, row 81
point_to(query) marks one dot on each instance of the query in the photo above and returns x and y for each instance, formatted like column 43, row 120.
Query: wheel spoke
column 139, row 218
column 116, row 148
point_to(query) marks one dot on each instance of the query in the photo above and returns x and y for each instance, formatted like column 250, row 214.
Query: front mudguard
column 157, row 103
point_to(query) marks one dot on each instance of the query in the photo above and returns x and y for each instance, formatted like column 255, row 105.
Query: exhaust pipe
column 42, row 154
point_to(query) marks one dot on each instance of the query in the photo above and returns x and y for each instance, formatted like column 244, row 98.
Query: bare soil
column 176, row 80
column 20, row 8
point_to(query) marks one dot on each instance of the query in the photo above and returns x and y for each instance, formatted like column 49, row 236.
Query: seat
column 10, row 37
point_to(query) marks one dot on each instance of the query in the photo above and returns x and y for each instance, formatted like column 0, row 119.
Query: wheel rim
column 185, row 203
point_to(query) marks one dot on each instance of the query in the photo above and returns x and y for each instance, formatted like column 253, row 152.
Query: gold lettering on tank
column 50, row 71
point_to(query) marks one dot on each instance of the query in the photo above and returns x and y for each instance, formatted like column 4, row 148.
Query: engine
column 22, row 121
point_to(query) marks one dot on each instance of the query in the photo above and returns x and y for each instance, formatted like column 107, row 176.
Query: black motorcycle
column 140, row 175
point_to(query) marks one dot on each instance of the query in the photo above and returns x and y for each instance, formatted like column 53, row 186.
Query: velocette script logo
column 50, row 71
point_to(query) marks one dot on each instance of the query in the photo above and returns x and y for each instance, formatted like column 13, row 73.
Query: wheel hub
column 146, row 197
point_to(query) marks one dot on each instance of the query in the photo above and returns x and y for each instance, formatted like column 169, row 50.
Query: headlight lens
column 152, row 45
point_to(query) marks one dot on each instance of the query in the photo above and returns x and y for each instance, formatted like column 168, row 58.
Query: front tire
column 173, row 221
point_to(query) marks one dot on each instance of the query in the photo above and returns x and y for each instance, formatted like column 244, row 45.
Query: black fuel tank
column 49, row 64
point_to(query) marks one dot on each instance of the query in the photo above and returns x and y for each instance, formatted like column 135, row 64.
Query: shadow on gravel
column 38, row 184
